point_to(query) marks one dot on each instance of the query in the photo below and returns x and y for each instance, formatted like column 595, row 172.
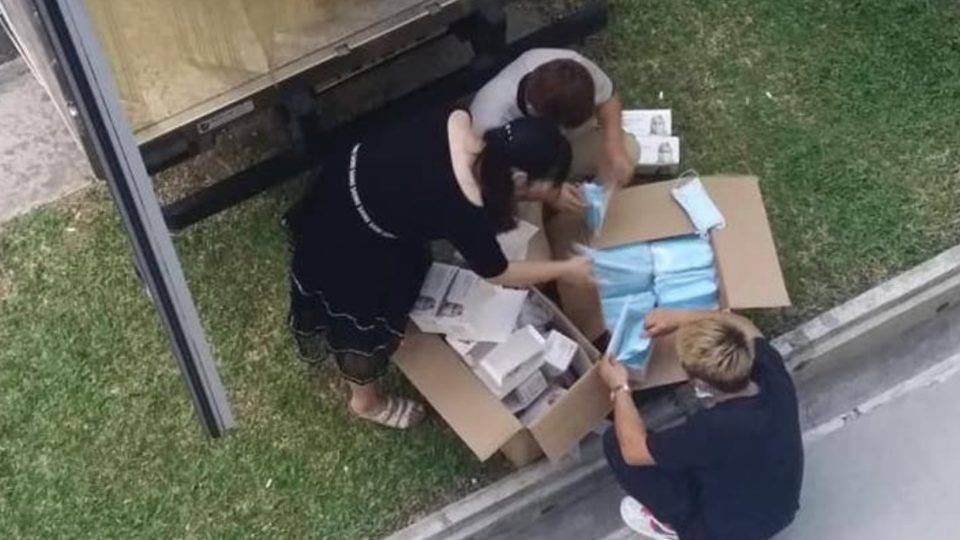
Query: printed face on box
column 658, row 126
column 665, row 153
column 424, row 303
column 450, row 309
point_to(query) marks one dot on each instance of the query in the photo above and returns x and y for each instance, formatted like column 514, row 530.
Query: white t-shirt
column 496, row 103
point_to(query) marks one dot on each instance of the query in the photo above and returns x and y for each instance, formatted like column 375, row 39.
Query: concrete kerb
column 868, row 320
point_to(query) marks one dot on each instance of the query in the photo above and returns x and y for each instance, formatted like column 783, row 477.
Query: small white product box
column 511, row 355
column 470, row 351
column 469, row 308
column 475, row 310
column 644, row 122
column 434, row 289
column 658, row 155
column 558, row 353
column 525, row 394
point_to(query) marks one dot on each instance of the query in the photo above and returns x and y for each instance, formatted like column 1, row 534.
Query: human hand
column 615, row 168
column 578, row 271
column 613, row 373
column 662, row 321
column 567, row 198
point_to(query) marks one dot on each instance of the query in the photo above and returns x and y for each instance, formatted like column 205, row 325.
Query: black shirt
column 745, row 455
column 406, row 181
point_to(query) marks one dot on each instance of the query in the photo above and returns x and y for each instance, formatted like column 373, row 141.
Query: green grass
column 97, row 437
column 856, row 147
column 846, row 110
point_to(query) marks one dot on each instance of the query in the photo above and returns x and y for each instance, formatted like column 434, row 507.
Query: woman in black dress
column 360, row 240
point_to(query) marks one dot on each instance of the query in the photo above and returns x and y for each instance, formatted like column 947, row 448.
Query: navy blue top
column 744, row 456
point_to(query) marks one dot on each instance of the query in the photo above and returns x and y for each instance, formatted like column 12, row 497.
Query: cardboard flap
column 434, row 368
column 746, row 255
column 573, row 416
column 642, row 213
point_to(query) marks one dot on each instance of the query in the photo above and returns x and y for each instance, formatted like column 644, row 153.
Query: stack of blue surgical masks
column 685, row 276
column 625, row 278
column 628, row 343
column 595, row 199
column 633, row 279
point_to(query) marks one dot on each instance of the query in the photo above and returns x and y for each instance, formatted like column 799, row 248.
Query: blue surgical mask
column 622, row 270
column 628, row 343
column 681, row 254
column 694, row 289
column 595, row 197
column 698, row 205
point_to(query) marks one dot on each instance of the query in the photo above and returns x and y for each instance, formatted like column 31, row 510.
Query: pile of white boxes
column 503, row 335
column 659, row 149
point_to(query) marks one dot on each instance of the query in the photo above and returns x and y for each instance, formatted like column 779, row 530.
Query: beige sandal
column 399, row 413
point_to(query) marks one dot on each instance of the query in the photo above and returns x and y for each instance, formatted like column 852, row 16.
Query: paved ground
column 39, row 161
column 885, row 470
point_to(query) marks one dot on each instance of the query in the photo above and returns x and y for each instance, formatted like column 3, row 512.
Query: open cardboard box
column 748, row 270
column 749, row 277
column 482, row 421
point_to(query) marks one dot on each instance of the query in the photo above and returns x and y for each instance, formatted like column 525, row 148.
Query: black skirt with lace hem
column 350, row 288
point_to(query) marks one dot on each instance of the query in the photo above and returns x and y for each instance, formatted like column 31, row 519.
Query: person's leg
column 366, row 398
column 369, row 403
column 581, row 303
column 668, row 495
column 586, row 143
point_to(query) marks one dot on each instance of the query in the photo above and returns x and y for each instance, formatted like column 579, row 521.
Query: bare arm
column 610, row 115
column 526, row 273
column 627, row 422
column 631, row 431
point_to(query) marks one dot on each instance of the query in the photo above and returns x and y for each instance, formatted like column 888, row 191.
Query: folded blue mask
column 698, row 205
column 695, row 289
column 628, row 343
column 595, row 198
column 681, row 254
column 622, row 270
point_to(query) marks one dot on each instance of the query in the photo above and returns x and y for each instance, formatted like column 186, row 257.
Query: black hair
column 532, row 145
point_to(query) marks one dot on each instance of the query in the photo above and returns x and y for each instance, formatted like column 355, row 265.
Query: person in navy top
column 734, row 469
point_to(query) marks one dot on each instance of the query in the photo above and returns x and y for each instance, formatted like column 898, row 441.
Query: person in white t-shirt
column 567, row 88
column 574, row 93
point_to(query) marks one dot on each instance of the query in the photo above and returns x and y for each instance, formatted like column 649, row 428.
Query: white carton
column 658, row 154
column 510, row 356
column 469, row 308
column 558, row 353
column 525, row 394
column 475, row 310
column 470, row 351
column 513, row 380
column 644, row 122
column 434, row 289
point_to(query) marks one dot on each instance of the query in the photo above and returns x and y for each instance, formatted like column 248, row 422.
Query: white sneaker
column 639, row 519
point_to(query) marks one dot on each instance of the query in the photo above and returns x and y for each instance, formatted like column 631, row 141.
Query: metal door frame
column 87, row 79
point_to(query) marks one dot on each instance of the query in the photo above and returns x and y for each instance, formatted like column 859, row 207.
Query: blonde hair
column 717, row 352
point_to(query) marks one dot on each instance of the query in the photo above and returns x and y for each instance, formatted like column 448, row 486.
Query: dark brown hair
column 562, row 91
